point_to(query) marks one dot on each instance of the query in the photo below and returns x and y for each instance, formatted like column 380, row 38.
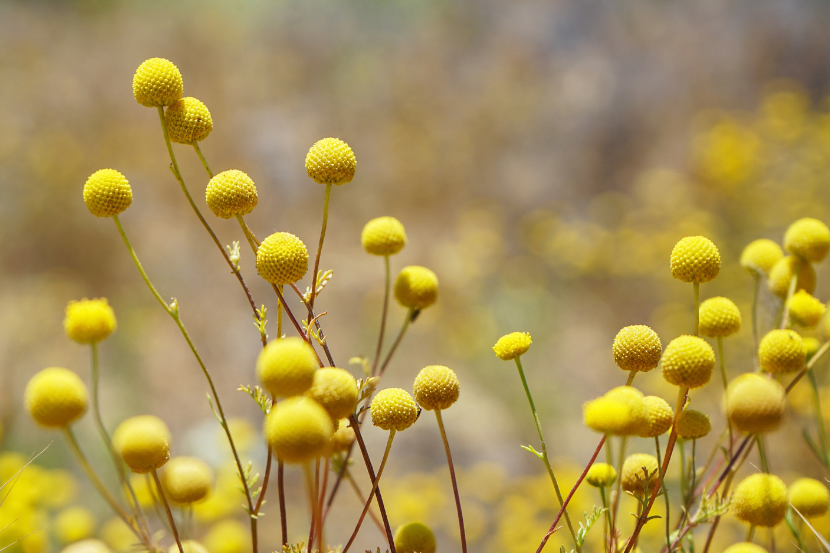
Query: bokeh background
column 543, row 156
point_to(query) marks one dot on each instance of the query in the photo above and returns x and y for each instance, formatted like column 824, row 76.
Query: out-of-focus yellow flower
column 73, row 524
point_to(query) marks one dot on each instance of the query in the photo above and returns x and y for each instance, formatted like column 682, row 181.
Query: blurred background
column 543, row 156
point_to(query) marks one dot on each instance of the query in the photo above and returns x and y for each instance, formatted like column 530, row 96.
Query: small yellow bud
column 286, row 366
column 601, row 475
column 143, row 442
column 760, row 500
column 660, row 417
column 633, row 478
column 414, row 537
column 228, row 536
column 688, row 361
column 89, row 321
column 621, row 412
column 637, row 348
column 393, row 409
column 336, row 390
column 107, row 193
column 383, row 236
column 692, row 425
column 783, row 271
column 809, row 239
column 695, row 259
column 74, row 524
column 55, row 397
column 231, row 193
column 805, row 310
column 745, row 547
column 330, row 161
column 282, row 258
column 513, row 345
column 343, row 437
column 782, row 351
column 719, row 317
column 416, row 287
column 755, row 403
column 761, row 255
column 810, row 497
column 188, row 121
column 299, row 430
column 436, row 387
column 187, row 480
column 157, row 83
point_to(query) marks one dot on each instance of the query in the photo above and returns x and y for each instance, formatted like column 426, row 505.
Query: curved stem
column 665, row 491
column 762, row 453
column 202, row 159
column 167, row 509
column 383, row 315
column 320, row 247
column 268, row 462
column 454, row 483
column 362, row 499
column 410, row 316
column 248, row 235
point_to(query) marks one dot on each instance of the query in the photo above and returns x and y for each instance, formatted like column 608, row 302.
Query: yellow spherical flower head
column 695, row 259
column 55, row 397
column 282, row 258
column 336, row 390
column 187, row 480
column 783, row 271
column 143, row 442
column 228, row 536
column 188, row 121
column 688, row 361
column 286, row 367
column 107, row 193
column 330, row 161
column 299, row 430
column 157, row 83
column 393, row 409
column 805, row 310
column 809, row 239
column 511, row 346
column 633, row 478
column 660, row 417
column 416, row 287
column 719, row 317
column 383, row 236
column 782, row 351
column 414, row 537
column 811, row 346
column 73, row 524
column 601, row 475
column 760, row 500
column 637, row 348
column 89, row 545
column 745, row 547
column 621, row 412
column 810, row 497
column 89, row 321
column 436, row 387
column 188, row 546
column 755, row 403
column 231, row 193
column 343, row 438
column 692, row 425
column 761, row 255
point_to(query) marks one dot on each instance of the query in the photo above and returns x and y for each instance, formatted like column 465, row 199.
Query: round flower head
column 342, row 439
column 143, row 442
column 299, row 430
column 282, row 258
column 393, row 409
column 755, row 403
column 637, row 348
column 688, row 361
column 414, row 538
column 660, row 417
column 416, row 287
column 231, row 193
column 695, row 259
column 330, row 161
column 436, row 387
column 157, row 83
column 335, row 390
column 601, row 475
column 633, row 478
column 745, row 547
column 782, row 351
column 811, row 346
column 73, row 524
column 783, row 271
column 761, row 255
column 692, row 425
column 760, row 500
column 719, row 317
column 107, row 193
column 809, row 239
column 188, row 121
column 55, row 397
column 621, row 412
column 805, row 310
column 286, row 366
column 89, row 321
column 383, row 236
column 511, row 346
column 187, row 480
column 89, row 545
column 810, row 497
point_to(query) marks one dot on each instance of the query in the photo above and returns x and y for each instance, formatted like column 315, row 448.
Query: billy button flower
column 157, row 83
column 760, row 500
column 805, row 310
column 343, row 438
column 659, row 417
column 55, row 397
column 187, row 480
column 782, row 273
column 719, row 317
column 282, row 258
column 231, row 193
column 89, row 321
column 299, row 430
column 633, row 478
column 695, row 259
column 188, row 121
column 809, row 239
column 637, row 348
column 414, row 537
column 510, row 346
column 760, row 256
column 809, row 497
column 692, row 425
column 383, row 236
column 107, row 193
column 601, row 475
column 782, row 351
column 335, row 390
column 688, row 362
column 755, row 403
column 286, row 367
column 416, row 287
column 745, row 547
column 620, row 412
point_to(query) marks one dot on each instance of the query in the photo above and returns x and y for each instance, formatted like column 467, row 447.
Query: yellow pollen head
column 157, row 83
column 755, row 403
column 809, row 239
column 719, row 317
column 745, row 547
column 186, row 480
column 342, row 439
column 660, row 417
column 811, row 345
column 231, row 193
column 810, row 497
column 383, row 236
column 436, row 387
column 286, row 366
column 805, row 310
column 143, row 442
column 695, row 259
column 760, row 500
column 637, row 348
column 330, row 161
column 760, row 256
column 621, row 412
column 107, row 193
column 393, row 409
column 601, row 475
column 335, row 390
column 688, row 362
column 414, row 537
column 89, row 321
column 416, row 287
column 55, row 397
column 633, row 478
column 299, row 430
column 782, row 351
column 782, row 273
column 282, row 258
column 692, row 425
column 513, row 345
column 188, row 121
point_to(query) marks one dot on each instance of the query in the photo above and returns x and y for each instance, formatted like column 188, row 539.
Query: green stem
column 615, row 506
column 725, row 386
column 665, row 491
column 320, row 246
column 545, row 458
column 410, row 316
column 750, row 533
column 383, row 315
column 454, row 483
column 167, row 509
column 681, row 446
column 762, row 453
column 607, row 514
column 248, row 235
column 202, row 158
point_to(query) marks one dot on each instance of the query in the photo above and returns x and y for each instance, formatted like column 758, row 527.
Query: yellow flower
column 621, row 412
column 688, row 361
column 755, row 403
column 660, row 417
column 719, row 317
column 286, row 366
column 783, row 271
column 187, row 480
column 809, row 239
column 73, row 524
column 782, row 351
column 695, row 259
column 90, row 545
column 810, row 497
column 513, row 345
column 342, row 439
column 760, row 500
column 336, row 390
column 330, row 161
column 637, row 348
column 188, row 121
column 383, row 236
column 231, row 193
column 282, row 258
column 299, row 430
column 761, row 255
column 805, row 310
column 393, row 409
column 143, row 442
column 89, row 321
column 414, row 537
column 601, row 475
column 633, row 478
column 55, row 397
column 692, row 425
column 416, row 287
column 745, row 547
column 436, row 387
column 107, row 193
column 228, row 536
column 157, row 83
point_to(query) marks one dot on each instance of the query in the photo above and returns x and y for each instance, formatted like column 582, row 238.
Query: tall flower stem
column 762, row 453
column 822, row 434
column 454, row 483
column 615, row 501
column 383, row 315
column 362, row 499
column 663, row 485
column 725, row 386
column 606, row 533
column 167, row 510
column 410, row 317
column 281, row 489
column 320, row 247
column 544, row 455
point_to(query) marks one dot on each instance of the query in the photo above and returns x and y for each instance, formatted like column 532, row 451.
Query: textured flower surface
column 760, row 500
column 809, row 496
column 512, row 345
column 755, row 403
column 331, row 161
column 809, row 239
column 383, row 236
column 89, row 321
column 637, row 348
column 695, row 259
column 393, row 409
column 719, row 317
column 188, row 121
column 143, row 442
column 282, row 258
column 286, row 366
column 688, row 361
column 436, row 387
column 761, row 255
column 299, row 430
column 157, row 83
column 231, row 193
column 782, row 351
column 55, row 397
column 107, row 193
column 416, row 287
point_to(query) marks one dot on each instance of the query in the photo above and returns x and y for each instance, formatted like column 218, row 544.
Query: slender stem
column 822, row 435
column 281, row 490
column 202, row 158
column 316, row 320
column 167, row 509
column 383, row 315
column 607, row 524
column 321, row 497
column 248, row 236
column 279, row 313
column 665, row 491
column 320, row 246
column 454, row 483
column 725, row 386
column 750, row 533
column 785, row 312
column 375, row 482
column 762, row 453
column 312, row 503
column 302, row 333
column 615, row 500
column 268, row 463
column 697, row 308
column 755, row 339
column 681, row 446
column 362, row 499
column 410, row 316
column 545, row 458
